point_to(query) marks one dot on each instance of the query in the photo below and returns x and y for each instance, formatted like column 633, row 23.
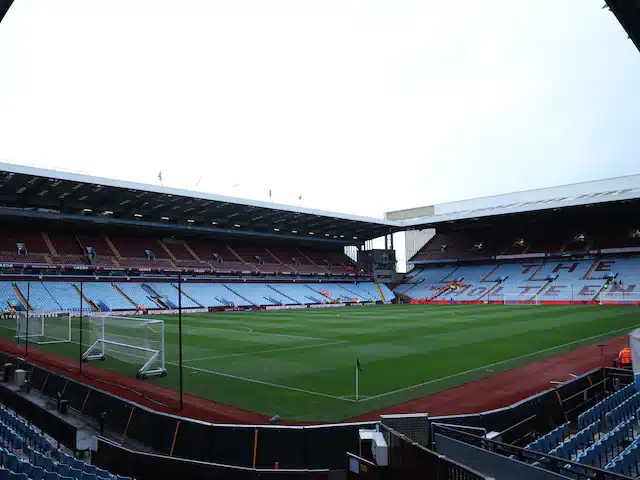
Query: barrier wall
column 316, row 446
column 147, row 466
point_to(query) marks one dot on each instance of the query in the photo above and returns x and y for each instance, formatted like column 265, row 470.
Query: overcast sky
column 360, row 106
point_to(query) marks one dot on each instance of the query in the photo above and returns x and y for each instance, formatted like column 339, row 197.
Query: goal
column 132, row 340
column 44, row 328
column 520, row 300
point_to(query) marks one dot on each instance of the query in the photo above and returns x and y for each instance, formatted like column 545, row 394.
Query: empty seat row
column 550, row 440
column 627, row 462
column 600, row 409
column 581, row 440
column 12, row 427
column 607, row 447
column 30, row 455
column 623, row 411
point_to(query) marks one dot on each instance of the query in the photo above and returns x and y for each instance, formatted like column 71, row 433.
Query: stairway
column 536, row 272
column 186, row 295
column 310, row 261
column 598, row 296
column 166, row 249
column 47, row 241
column 447, row 278
column 191, row 252
column 593, row 267
column 488, row 292
column 239, row 259
column 93, row 306
column 274, row 257
column 355, row 295
column 21, row 297
column 161, row 303
column 124, row 295
column 47, row 258
column 236, row 293
column 489, row 274
column 317, row 292
column 284, row 295
column 380, row 292
column 112, row 247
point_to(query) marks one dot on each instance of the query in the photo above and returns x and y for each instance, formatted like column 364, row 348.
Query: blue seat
column 49, row 475
column 47, row 463
column 62, row 469
column 75, row 473
column 103, row 474
column 4, row 474
column 12, row 462
column 89, row 476
column 37, row 473
column 18, row 476
column 88, row 468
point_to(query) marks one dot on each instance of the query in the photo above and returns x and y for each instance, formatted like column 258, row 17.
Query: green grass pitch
column 300, row 364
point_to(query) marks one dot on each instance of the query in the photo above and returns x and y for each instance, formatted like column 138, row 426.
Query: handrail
column 551, row 462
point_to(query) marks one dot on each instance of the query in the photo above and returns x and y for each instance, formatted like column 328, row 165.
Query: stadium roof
column 628, row 14
column 579, row 194
column 4, row 7
column 28, row 191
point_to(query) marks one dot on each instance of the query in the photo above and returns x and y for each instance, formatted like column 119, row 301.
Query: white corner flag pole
column 357, row 372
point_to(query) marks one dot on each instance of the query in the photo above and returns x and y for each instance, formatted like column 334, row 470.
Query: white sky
column 360, row 106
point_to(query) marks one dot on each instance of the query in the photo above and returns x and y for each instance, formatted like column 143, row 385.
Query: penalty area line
column 484, row 367
column 261, row 382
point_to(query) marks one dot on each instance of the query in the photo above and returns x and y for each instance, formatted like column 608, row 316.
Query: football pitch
column 300, row 364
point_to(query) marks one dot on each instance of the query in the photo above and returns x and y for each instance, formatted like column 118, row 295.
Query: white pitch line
column 252, row 380
column 494, row 364
column 337, row 342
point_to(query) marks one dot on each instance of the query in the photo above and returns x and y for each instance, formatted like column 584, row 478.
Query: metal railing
column 417, row 461
column 548, row 462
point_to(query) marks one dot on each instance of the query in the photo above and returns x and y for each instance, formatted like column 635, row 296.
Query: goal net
column 44, row 328
column 520, row 300
column 132, row 340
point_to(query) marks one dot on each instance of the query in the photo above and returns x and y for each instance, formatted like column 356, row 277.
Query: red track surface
column 496, row 391
column 508, row 387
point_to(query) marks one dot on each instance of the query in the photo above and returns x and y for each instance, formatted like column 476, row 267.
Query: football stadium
column 153, row 332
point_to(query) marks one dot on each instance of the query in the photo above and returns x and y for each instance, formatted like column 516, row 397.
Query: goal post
column 43, row 328
column 134, row 340
column 520, row 299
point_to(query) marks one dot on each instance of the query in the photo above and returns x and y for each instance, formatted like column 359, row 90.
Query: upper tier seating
column 33, row 242
column 219, row 256
column 225, row 257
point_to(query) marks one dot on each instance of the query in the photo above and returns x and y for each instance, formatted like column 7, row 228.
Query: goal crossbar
column 44, row 328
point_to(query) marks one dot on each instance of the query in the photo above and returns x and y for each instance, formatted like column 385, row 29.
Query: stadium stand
column 107, row 296
column 26, row 453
